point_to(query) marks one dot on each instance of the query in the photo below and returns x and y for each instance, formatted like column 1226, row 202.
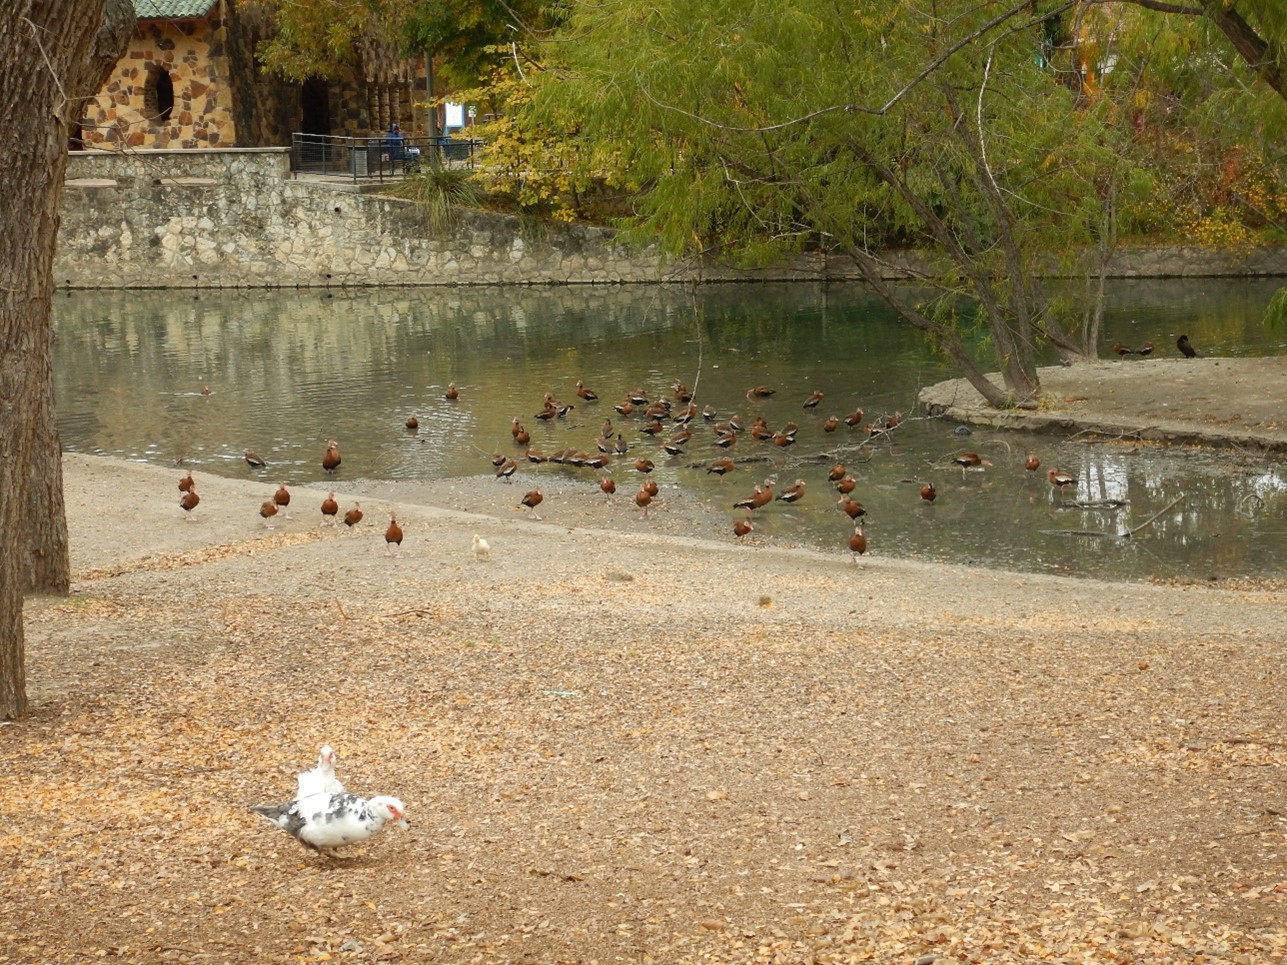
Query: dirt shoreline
column 628, row 744
column 1205, row 401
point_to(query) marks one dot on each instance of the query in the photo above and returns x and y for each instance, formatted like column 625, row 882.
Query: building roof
column 172, row 9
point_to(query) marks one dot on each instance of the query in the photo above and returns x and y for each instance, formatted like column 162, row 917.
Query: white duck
column 321, row 779
column 325, row 822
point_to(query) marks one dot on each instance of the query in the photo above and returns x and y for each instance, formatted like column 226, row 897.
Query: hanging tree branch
column 853, row 108
column 1249, row 45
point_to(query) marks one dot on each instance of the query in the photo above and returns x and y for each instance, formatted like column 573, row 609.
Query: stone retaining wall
column 235, row 218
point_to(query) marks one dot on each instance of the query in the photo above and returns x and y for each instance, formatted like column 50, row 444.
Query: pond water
column 288, row 370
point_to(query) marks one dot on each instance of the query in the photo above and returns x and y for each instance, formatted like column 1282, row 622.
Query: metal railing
column 375, row 158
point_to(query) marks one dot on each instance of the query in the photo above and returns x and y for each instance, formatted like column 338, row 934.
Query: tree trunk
column 48, row 557
column 1249, row 44
column 1018, row 370
column 945, row 337
column 49, row 52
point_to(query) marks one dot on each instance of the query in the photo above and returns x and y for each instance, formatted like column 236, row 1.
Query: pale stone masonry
column 236, row 219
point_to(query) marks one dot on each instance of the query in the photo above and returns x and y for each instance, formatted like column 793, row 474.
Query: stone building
column 190, row 79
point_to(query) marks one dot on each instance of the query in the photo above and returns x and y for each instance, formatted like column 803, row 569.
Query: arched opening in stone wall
column 315, row 107
column 158, row 95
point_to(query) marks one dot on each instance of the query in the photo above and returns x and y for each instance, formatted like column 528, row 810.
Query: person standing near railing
column 393, row 142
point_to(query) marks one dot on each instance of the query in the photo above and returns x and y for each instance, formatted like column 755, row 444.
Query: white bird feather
column 325, row 822
column 321, row 779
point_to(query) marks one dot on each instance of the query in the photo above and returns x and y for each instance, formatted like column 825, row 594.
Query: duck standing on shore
column 329, row 509
column 324, row 822
column 531, row 500
column 353, row 516
column 857, row 543
column 643, row 499
column 393, row 536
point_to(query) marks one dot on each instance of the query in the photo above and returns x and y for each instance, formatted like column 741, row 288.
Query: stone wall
column 191, row 54
column 236, row 219
column 221, row 96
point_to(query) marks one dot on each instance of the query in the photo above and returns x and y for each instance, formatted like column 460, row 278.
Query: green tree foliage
column 995, row 134
column 541, row 164
column 466, row 34
column 1257, row 32
column 1276, row 312
column 318, row 38
column 1214, row 121
column 1002, row 136
column 760, row 128
column 1209, row 123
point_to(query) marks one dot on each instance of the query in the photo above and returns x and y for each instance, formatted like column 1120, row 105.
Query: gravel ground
column 621, row 741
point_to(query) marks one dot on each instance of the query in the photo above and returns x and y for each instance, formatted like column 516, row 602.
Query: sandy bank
column 627, row 746
column 1211, row 401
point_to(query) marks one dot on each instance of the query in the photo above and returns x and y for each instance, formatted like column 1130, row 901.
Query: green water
column 288, row 370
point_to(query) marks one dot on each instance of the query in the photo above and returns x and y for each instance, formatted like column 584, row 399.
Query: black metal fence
column 375, row 158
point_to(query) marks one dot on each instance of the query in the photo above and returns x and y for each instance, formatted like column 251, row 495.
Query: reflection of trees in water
column 291, row 369
column 1238, row 490
column 248, row 337
column 1229, row 487
column 242, row 332
column 355, row 322
column 1224, row 312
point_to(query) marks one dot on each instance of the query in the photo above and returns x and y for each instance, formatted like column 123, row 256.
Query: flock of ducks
column 1182, row 343
column 674, row 425
column 672, row 422
column 271, row 508
column 669, row 422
